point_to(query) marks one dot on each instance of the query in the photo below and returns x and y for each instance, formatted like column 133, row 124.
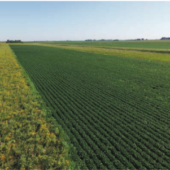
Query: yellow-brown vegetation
column 27, row 139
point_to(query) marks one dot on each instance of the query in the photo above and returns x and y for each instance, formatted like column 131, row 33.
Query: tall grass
column 28, row 138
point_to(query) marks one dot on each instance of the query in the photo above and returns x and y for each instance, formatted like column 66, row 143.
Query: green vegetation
column 29, row 137
column 156, row 55
column 148, row 44
column 114, row 109
column 122, row 49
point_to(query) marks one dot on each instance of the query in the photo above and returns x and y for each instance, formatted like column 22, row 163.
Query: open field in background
column 148, row 44
column 28, row 138
column 114, row 109
column 156, row 54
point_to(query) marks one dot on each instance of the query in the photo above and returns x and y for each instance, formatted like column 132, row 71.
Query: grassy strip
column 28, row 139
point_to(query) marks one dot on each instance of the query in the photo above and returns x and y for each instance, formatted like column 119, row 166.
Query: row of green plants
column 107, row 105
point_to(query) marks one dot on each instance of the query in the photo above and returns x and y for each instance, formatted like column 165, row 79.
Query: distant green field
column 114, row 109
column 161, row 55
column 159, row 44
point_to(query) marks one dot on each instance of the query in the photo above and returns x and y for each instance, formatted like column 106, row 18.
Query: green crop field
column 114, row 109
column 148, row 44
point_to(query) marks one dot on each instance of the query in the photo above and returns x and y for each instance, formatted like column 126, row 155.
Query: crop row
column 101, row 105
column 100, row 122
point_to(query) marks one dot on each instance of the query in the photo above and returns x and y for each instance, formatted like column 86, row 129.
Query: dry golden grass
column 27, row 139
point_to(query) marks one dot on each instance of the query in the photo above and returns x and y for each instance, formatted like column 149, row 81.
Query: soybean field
column 147, row 44
column 114, row 109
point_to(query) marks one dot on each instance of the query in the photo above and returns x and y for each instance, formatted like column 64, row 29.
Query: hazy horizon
column 78, row 20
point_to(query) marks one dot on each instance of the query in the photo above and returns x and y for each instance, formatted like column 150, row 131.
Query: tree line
column 13, row 41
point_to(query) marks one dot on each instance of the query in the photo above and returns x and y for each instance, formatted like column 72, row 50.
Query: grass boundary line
column 44, row 108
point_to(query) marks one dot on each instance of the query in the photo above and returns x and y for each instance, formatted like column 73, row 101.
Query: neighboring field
column 114, row 109
column 149, row 54
column 130, row 49
column 157, row 44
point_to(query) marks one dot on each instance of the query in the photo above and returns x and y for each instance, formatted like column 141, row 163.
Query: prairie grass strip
column 28, row 140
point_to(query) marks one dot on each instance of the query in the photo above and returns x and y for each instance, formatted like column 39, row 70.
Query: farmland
column 147, row 44
column 162, row 55
column 114, row 109
column 149, row 50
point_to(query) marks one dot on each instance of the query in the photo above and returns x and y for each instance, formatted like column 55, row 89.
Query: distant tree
column 13, row 41
column 89, row 40
column 165, row 38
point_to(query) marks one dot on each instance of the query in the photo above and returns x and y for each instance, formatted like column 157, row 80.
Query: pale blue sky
column 66, row 20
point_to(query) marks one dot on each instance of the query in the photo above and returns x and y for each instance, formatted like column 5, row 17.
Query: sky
column 80, row 20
